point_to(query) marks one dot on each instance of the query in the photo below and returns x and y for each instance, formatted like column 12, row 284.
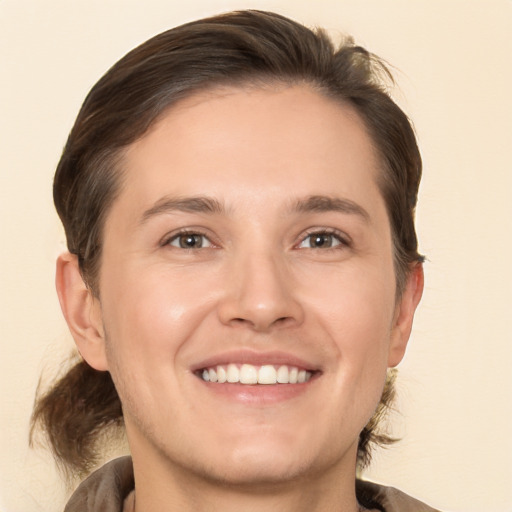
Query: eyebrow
column 321, row 203
column 209, row 205
column 199, row 204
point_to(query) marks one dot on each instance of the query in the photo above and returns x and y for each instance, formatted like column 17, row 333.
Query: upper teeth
column 249, row 374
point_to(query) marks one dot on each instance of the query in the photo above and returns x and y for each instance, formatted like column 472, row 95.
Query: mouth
column 254, row 375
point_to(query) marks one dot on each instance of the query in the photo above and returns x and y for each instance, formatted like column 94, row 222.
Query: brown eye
column 320, row 241
column 190, row 241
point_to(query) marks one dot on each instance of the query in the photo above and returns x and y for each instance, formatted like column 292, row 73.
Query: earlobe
column 404, row 314
column 82, row 311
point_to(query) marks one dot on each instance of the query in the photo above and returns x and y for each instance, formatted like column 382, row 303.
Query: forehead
column 251, row 144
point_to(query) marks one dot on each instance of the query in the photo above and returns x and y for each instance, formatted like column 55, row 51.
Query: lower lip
column 258, row 394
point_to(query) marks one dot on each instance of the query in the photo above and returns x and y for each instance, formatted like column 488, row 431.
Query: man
column 238, row 198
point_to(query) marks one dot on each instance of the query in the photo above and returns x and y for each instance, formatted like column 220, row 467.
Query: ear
column 82, row 311
column 404, row 314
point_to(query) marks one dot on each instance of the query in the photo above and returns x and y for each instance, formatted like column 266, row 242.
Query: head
column 230, row 58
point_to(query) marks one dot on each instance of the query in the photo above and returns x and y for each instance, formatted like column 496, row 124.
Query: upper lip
column 244, row 356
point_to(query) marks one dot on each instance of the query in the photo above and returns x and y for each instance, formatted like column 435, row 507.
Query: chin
column 262, row 464
column 258, row 471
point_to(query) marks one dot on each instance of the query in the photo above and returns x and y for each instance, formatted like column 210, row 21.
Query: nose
column 260, row 295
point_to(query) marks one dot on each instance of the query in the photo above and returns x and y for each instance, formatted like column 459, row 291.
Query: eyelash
column 341, row 238
column 168, row 240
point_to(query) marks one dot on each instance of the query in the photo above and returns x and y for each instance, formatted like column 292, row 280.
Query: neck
column 170, row 489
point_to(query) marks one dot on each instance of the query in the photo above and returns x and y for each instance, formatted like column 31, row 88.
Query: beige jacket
column 105, row 491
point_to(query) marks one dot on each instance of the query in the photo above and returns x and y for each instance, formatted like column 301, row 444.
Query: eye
column 321, row 240
column 189, row 241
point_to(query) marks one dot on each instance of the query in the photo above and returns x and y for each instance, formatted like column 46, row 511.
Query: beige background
column 454, row 62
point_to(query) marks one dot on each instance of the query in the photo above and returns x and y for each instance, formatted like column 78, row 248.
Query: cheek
column 357, row 303
column 356, row 310
column 148, row 317
column 152, row 312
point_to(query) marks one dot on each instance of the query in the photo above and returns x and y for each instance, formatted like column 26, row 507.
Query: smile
column 266, row 374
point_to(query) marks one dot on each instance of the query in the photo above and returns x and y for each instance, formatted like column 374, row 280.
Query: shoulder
column 105, row 489
column 389, row 499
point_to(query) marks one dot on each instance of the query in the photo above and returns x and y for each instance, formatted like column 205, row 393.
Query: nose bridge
column 260, row 292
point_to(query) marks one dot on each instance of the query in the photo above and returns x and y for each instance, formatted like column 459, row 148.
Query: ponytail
column 73, row 413
column 374, row 433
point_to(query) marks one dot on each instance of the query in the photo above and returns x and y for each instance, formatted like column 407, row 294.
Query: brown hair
column 238, row 48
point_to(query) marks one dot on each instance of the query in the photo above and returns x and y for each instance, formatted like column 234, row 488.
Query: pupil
column 321, row 241
column 190, row 241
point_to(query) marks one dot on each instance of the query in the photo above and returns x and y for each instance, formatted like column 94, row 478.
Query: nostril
column 260, row 324
column 259, row 312
column 243, row 322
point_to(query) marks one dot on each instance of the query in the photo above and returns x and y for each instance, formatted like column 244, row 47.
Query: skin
column 258, row 285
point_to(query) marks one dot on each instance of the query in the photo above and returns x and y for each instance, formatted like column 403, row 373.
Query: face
column 247, row 307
